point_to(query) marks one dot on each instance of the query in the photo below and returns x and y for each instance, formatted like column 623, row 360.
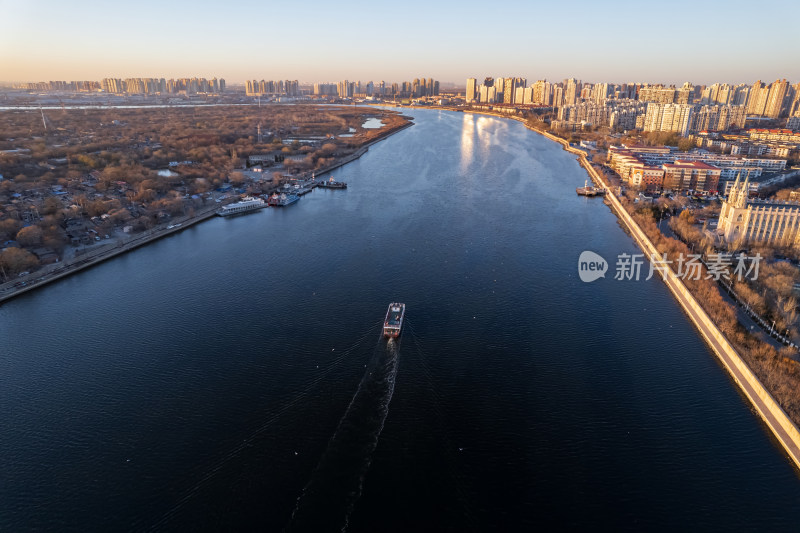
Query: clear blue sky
column 621, row 41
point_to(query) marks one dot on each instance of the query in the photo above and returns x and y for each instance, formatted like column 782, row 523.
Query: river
column 231, row 376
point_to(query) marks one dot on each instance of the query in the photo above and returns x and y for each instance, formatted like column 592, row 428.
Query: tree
column 119, row 215
column 687, row 216
column 30, row 236
column 686, row 144
column 16, row 260
column 8, row 228
column 236, row 178
column 51, row 206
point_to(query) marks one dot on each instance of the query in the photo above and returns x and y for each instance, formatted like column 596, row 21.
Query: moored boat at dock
column 590, row 190
column 332, row 184
column 245, row 205
column 282, row 200
column 393, row 322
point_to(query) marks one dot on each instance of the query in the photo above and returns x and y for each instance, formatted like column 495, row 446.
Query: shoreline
column 768, row 409
column 96, row 256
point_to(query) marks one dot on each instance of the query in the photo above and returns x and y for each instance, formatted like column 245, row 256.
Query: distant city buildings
column 417, row 88
column 272, row 88
column 63, row 86
column 162, row 86
column 650, row 108
column 618, row 114
column 131, row 86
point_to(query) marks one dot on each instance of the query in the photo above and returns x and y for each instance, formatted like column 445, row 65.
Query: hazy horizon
column 43, row 40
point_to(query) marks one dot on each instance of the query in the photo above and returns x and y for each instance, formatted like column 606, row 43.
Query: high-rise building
column 658, row 94
column 558, row 96
column 757, row 103
column 572, row 91
column 324, row 89
column 510, row 86
column 740, row 94
column 776, row 99
column 668, row 117
column 542, row 92
column 599, row 92
column 499, row 87
column 718, row 118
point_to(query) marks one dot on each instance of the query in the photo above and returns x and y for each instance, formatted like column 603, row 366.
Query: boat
column 332, row 184
column 245, row 205
column 282, row 200
column 590, row 190
column 394, row 320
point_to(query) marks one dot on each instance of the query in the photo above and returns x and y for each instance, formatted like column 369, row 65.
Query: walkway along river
column 199, row 382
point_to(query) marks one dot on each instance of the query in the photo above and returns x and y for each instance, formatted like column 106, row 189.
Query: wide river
column 232, row 377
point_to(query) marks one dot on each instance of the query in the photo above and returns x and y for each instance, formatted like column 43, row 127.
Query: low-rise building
column 690, row 176
column 785, row 136
column 647, row 177
column 620, row 159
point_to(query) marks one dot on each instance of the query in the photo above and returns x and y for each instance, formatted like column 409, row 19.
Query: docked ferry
column 282, row 200
column 245, row 205
column 332, row 184
column 394, row 320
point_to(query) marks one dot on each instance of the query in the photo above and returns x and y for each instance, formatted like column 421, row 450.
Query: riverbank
column 363, row 149
column 776, row 419
column 769, row 410
column 104, row 252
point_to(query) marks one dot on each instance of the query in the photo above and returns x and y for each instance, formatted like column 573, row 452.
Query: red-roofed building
column 649, row 178
column 786, row 136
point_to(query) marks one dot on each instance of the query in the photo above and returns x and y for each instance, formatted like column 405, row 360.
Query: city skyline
column 326, row 43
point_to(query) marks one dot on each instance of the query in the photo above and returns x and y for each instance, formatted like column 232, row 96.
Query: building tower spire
column 735, row 189
column 745, row 189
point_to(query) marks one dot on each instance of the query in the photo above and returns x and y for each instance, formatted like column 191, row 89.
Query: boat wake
column 335, row 486
column 299, row 397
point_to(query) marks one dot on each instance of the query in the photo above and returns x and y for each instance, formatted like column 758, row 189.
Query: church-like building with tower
column 745, row 220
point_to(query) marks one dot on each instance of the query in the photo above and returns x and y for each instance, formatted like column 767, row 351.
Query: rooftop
column 690, row 164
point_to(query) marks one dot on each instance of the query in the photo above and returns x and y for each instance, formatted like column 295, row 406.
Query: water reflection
column 467, row 143
column 484, row 132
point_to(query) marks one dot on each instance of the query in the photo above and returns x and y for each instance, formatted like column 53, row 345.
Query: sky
column 616, row 42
